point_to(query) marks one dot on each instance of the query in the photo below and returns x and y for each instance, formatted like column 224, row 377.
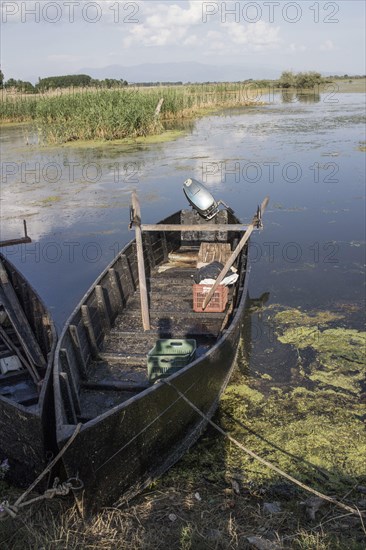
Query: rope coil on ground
column 57, row 489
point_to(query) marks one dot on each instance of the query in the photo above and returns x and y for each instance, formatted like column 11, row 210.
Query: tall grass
column 114, row 114
column 18, row 109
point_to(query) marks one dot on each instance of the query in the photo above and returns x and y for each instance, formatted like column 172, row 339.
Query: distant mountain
column 176, row 72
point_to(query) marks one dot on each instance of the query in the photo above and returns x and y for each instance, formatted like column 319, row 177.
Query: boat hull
column 121, row 450
column 28, row 430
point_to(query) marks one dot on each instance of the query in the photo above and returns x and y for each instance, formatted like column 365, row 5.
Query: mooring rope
column 58, row 489
column 332, row 500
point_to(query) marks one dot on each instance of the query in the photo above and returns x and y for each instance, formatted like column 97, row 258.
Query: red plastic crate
column 218, row 302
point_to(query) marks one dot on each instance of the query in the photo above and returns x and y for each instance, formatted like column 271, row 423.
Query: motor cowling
column 200, row 198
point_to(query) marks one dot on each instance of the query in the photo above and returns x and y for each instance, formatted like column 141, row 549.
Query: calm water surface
column 307, row 154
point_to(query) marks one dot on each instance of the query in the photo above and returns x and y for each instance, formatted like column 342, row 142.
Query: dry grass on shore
column 193, row 516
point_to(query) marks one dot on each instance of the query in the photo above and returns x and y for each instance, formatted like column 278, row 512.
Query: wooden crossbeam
column 194, row 227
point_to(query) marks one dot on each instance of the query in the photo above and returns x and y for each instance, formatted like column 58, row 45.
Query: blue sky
column 41, row 38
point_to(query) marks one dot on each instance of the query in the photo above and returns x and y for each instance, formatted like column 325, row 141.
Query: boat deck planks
column 123, row 355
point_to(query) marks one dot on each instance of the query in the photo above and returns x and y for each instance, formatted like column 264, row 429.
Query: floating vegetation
column 313, row 435
column 339, row 361
column 50, row 200
column 218, row 497
column 313, row 431
column 295, row 317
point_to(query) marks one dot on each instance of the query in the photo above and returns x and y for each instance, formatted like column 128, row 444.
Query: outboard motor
column 201, row 199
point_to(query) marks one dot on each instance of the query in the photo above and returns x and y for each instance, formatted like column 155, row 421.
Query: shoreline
column 241, row 96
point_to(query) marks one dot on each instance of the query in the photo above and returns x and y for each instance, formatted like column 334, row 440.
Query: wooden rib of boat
column 133, row 430
column 27, row 345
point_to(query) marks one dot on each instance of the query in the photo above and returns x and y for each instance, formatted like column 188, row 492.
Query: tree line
column 308, row 79
column 57, row 82
column 288, row 79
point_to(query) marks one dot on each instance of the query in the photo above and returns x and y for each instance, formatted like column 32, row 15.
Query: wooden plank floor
column 123, row 358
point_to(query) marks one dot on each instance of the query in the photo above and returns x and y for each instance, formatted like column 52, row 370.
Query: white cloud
column 172, row 15
column 164, row 25
column 215, row 43
column 142, row 35
column 254, row 35
column 327, row 46
column 295, row 48
column 172, row 24
column 191, row 40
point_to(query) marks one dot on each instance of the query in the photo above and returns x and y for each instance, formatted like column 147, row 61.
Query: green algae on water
column 50, row 200
column 313, row 431
column 317, row 436
column 296, row 317
column 340, row 352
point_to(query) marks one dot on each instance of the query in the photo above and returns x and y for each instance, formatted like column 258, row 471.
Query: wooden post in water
column 136, row 218
column 12, row 242
column 158, row 108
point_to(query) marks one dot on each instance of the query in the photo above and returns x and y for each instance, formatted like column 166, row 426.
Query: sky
column 44, row 38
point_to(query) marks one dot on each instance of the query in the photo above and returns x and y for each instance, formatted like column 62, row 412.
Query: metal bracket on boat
column 135, row 220
column 79, row 485
column 257, row 219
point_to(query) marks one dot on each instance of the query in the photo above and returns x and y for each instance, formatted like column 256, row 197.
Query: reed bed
column 87, row 114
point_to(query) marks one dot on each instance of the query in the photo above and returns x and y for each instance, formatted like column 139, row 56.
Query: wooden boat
column 133, row 430
column 27, row 345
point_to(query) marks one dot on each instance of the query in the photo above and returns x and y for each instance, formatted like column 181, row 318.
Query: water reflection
column 251, row 329
column 300, row 153
column 300, row 97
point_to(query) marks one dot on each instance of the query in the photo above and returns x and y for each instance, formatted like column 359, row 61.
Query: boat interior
column 102, row 356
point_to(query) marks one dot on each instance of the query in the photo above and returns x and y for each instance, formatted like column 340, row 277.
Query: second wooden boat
column 27, row 345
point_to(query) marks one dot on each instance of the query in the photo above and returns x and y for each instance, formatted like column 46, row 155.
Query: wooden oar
column 136, row 219
column 236, row 252
column 19, row 320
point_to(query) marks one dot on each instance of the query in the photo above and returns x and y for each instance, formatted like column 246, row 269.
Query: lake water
column 307, row 153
